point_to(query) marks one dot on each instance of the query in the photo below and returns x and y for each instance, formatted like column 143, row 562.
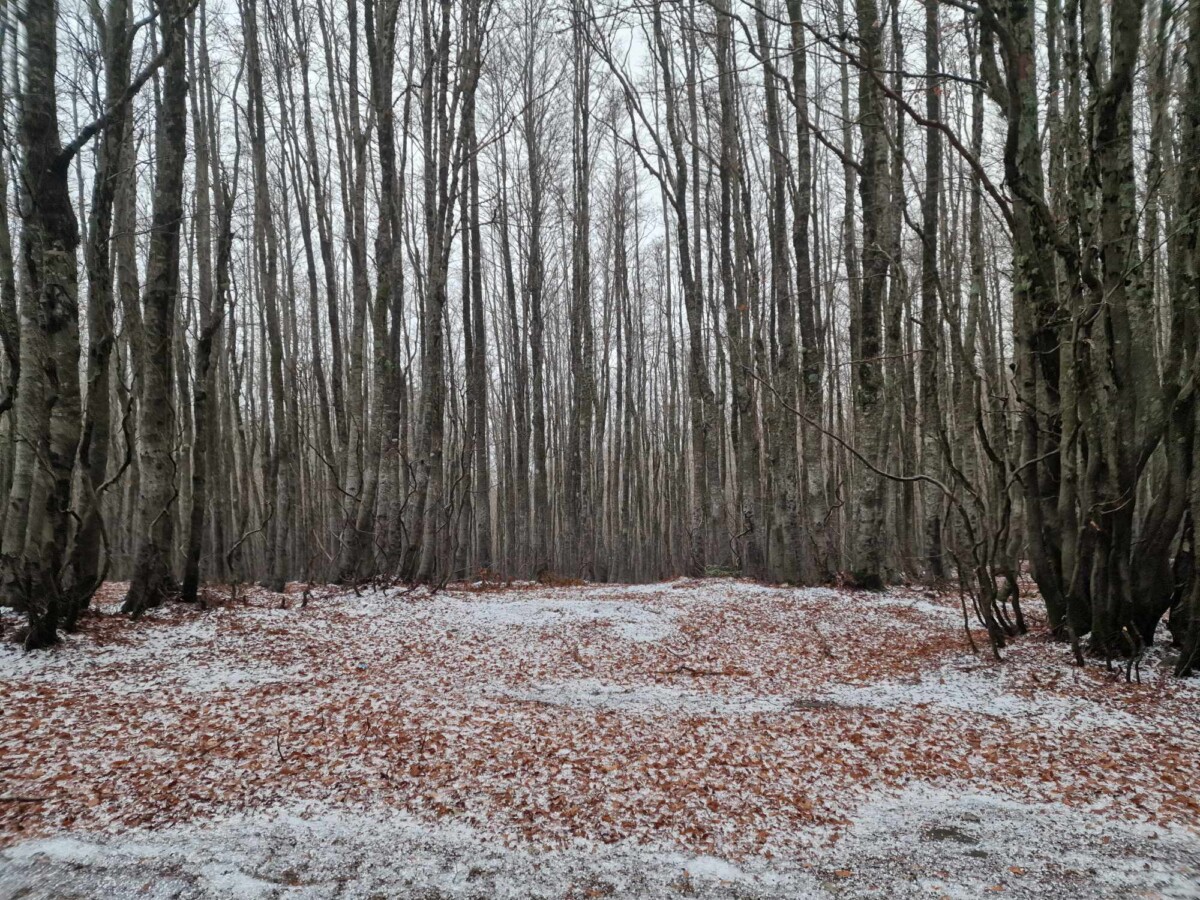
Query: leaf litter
column 698, row 738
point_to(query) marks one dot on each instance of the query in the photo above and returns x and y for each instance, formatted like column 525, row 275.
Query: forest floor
column 690, row 739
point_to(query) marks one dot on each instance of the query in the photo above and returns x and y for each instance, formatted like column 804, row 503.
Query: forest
column 813, row 292
column 599, row 448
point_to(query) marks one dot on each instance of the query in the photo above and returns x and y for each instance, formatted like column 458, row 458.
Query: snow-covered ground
column 919, row 843
column 707, row 739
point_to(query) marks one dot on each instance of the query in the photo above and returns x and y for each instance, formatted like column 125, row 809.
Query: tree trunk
column 153, row 580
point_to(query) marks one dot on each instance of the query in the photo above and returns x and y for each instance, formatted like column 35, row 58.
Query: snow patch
column 318, row 852
column 632, row 621
column 916, row 605
column 982, row 692
column 653, row 699
column 929, row 840
column 923, row 841
column 188, row 647
column 714, row 867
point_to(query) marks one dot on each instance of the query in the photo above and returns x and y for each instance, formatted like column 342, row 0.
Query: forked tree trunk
column 94, row 443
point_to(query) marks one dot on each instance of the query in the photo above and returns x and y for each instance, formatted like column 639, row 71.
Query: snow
column 634, row 622
column 592, row 693
column 967, row 687
column 187, row 645
column 928, row 840
column 317, row 853
column 916, row 843
column 712, row 867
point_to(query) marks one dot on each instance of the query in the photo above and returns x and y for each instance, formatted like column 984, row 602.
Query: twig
column 684, row 669
column 822, row 643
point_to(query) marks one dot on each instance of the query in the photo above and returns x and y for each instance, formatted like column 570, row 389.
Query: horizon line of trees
column 855, row 291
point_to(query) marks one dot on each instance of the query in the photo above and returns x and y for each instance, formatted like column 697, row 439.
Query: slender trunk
column 870, row 539
column 153, row 580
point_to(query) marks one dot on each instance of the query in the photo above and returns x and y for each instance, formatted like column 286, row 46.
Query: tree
column 153, row 580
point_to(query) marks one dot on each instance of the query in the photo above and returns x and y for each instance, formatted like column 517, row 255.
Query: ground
column 715, row 739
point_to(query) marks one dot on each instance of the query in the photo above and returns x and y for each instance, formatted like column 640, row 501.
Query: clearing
column 689, row 739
